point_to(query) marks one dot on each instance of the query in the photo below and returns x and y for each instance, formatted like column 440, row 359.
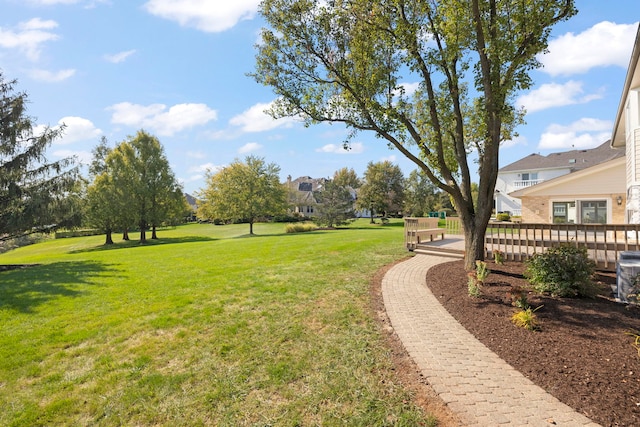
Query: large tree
column 133, row 185
column 348, row 61
column 35, row 195
column 243, row 192
column 335, row 204
column 420, row 194
column 383, row 189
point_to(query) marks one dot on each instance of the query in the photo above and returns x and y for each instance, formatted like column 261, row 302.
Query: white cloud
column 391, row 158
column 119, row 57
column 205, row 15
column 157, row 118
column 409, row 88
column 518, row 141
column 29, row 37
column 354, row 148
column 602, row 45
column 76, row 129
column 556, row 95
column 583, row 133
column 50, row 76
column 250, row 147
column 256, row 120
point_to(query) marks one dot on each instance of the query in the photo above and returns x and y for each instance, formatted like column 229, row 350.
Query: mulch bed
column 582, row 354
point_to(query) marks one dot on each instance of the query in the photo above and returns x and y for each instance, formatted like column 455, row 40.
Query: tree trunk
column 125, row 234
column 251, row 227
column 474, row 225
column 372, row 221
column 153, row 232
column 108, row 239
column 143, row 232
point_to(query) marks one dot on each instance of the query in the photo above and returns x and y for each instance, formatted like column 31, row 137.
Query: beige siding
column 536, row 210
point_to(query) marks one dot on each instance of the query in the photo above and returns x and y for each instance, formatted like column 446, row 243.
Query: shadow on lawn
column 134, row 243
column 26, row 287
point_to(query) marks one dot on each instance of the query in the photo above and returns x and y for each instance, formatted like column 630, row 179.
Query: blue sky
column 177, row 68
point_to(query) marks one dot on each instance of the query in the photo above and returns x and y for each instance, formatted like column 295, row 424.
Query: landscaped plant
column 482, row 271
column 476, row 279
column 473, row 287
column 564, row 271
column 636, row 341
column 299, row 228
column 498, row 257
column 527, row 319
column 519, row 297
column 503, row 216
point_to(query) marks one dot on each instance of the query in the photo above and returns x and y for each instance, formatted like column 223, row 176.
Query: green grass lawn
column 205, row 326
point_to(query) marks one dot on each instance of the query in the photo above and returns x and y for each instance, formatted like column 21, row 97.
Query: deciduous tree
column 356, row 62
column 420, row 194
column 35, row 195
column 383, row 189
column 243, row 192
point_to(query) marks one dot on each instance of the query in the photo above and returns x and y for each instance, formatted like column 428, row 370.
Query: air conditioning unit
column 627, row 270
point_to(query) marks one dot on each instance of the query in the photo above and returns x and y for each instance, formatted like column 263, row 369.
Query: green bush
column 503, row 216
column 299, row 228
column 564, row 271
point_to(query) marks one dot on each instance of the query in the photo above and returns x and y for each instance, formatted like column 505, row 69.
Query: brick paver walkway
column 481, row 388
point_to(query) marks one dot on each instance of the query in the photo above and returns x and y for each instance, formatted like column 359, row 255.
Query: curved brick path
column 481, row 388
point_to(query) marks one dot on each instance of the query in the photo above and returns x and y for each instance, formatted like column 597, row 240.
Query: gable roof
column 575, row 160
column 632, row 81
column 617, row 164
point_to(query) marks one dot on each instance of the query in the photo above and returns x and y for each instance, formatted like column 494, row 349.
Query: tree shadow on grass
column 126, row 244
column 24, row 288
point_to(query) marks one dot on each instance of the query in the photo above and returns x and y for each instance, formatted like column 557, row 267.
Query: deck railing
column 603, row 242
column 519, row 241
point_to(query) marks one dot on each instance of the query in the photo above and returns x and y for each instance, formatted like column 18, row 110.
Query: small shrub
column 299, row 228
column 564, row 271
column 498, row 257
column 519, row 297
column 503, row 216
column 475, row 279
column 526, row 319
column 482, row 272
column 473, row 287
column 636, row 340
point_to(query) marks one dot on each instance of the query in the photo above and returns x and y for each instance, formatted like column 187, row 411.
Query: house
column 585, row 196
column 516, row 181
column 626, row 134
column 300, row 193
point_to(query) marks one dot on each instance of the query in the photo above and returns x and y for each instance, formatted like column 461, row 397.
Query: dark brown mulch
column 582, row 354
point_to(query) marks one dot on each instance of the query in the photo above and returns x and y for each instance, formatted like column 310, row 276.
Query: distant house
column 534, row 181
column 626, row 134
column 300, row 193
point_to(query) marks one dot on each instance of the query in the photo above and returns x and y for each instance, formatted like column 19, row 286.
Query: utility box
column 627, row 269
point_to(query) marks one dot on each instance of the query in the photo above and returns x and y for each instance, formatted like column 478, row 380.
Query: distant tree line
column 131, row 186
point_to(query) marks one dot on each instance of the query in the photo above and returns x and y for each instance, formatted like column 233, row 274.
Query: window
column 593, row 212
column 530, row 176
column 564, row 212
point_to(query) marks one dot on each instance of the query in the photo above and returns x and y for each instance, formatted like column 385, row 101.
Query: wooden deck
column 518, row 242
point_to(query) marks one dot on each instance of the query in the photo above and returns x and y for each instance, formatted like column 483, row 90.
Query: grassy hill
column 205, row 326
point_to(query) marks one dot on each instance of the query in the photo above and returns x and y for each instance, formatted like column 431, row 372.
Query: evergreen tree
column 35, row 195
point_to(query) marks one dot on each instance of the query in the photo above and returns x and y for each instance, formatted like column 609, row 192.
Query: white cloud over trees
column 204, row 15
